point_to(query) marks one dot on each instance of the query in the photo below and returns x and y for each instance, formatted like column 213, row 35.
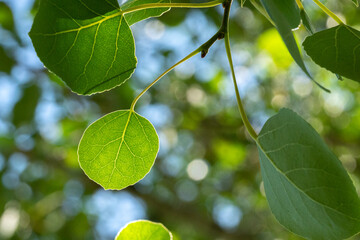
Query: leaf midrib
column 119, row 148
column 298, row 188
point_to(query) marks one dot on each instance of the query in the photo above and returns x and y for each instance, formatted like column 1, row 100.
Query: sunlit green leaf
column 118, row 150
column 307, row 188
column 137, row 16
column 142, row 229
column 336, row 49
column 88, row 43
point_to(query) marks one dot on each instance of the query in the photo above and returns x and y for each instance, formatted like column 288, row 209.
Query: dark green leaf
column 88, row 43
column 307, row 188
column 6, row 17
column 286, row 16
column 24, row 110
column 336, row 49
column 306, row 21
column 142, row 229
column 118, row 150
column 6, row 63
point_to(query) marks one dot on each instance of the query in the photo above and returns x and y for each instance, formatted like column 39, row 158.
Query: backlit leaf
column 137, row 16
column 87, row 43
column 307, row 188
column 118, row 150
column 142, row 229
column 336, row 49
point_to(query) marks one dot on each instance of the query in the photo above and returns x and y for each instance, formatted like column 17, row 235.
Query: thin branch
column 204, row 48
column 244, row 117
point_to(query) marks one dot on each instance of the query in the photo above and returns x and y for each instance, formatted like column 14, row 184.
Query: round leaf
column 85, row 42
column 88, row 43
column 118, row 150
column 142, row 229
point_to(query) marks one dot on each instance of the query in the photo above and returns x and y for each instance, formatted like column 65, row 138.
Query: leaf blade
column 337, row 49
column 286, row 16
column 143, row 229
column 307, row 188
column 137, row 16
column 86, row 43
column 118, row 150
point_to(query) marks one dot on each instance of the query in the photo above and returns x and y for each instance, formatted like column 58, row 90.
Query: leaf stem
column 244, row 117
column 328, row 12
column 204, row 49
column 300, row 5
column 173, row 5
column 162, row 75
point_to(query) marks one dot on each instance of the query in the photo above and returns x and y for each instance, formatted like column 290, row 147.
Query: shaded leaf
column 118, row 150
column 143, row 229
column 306, row 21
column 6, row 62
column 336, row 49
column 24, row 110
column 307, row 188
column 6, row 17
column 87, row 43
column 286, row 16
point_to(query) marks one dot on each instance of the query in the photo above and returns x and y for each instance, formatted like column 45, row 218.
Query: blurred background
column 206, row 182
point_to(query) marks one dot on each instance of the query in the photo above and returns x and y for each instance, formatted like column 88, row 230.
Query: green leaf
column 286, row 16
column 336, row 49
column 142, row 229
column 118, row 150
column 6, row 17
column 137, row 16
column 6, row 62
column 87, row 43
column 280, row 10
column 24, row 109
column 306, row 21
column 307, row 188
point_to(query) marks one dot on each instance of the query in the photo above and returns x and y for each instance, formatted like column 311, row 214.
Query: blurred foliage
column 44, row 193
